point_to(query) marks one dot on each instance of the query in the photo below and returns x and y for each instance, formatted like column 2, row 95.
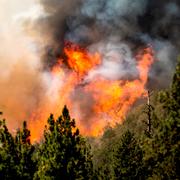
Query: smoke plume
column 21, row 78
column 103, row 22
column 32, row 45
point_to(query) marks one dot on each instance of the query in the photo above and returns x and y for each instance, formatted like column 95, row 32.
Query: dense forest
column 145, row 146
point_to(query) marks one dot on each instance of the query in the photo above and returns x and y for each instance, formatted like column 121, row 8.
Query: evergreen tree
column 104, row 156
column 16, row 154
column 174, row 105
column 24, row 150
column 128, row 158
column 64, row 153
column 7, row 153
column 163, row 150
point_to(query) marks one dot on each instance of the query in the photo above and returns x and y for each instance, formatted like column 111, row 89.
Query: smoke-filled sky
column 33, row 34
column 109, row 24
column 20, row 78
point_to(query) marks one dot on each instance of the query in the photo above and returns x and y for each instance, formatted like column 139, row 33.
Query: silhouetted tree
column 24, row 149
column 7, row 153
column 64, row 154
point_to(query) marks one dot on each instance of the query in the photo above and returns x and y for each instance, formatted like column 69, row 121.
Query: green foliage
column 16, row 154
column 24, row 151
column 163, row 150
column 64, row 153
column 175, row 92
column 103, row 158
column 128, row 158
column 7, row 153
column 171, row 99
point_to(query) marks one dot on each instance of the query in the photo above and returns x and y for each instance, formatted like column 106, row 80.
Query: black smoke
column 135, row 23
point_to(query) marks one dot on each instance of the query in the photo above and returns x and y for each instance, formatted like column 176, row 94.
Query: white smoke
column 117, row 61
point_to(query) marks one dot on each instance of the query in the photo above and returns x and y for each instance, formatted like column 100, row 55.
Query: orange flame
column 80, row 60
column 111, row 98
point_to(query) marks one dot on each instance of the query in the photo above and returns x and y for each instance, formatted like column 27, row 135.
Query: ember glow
column 94, row 103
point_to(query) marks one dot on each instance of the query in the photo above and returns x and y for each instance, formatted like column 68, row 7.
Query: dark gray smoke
column 52, row 27
column 132, row 23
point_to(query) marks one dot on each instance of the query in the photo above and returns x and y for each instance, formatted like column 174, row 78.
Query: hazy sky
column 17, row 62
column 10, row 9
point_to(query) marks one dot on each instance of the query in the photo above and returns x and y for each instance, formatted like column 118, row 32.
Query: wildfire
column 108, row 101
column 80, row 60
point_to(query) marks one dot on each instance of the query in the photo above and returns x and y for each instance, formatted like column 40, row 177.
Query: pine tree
column 128, row 158
column 163, row 151
column 175, row 93
column 24, row 149
column 64, row 154
column 104, row 155
column 16, row 154
column 7, row 153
